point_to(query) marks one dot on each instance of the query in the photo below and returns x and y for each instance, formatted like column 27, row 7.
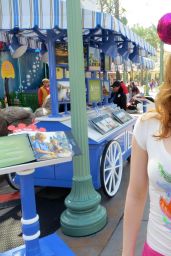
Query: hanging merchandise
column 110, row 47
column 17, row 49
column 44, row 53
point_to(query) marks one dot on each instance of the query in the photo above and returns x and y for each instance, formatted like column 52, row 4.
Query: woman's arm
column 43, row 151
column 135, row 199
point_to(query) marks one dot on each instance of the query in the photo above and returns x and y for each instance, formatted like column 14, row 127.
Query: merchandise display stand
column 50, row 245
column 107, row 150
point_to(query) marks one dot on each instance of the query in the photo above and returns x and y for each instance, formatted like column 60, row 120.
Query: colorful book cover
column 48, row 145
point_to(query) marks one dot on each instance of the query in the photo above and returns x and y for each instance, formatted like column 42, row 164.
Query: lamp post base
column 50, row 245
column 84, row 214
column 83, row 224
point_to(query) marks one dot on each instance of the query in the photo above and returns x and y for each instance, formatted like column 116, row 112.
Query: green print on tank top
column 165, row 201
column 164, row 174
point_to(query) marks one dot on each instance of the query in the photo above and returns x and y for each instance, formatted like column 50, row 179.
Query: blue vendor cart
column 107, row 153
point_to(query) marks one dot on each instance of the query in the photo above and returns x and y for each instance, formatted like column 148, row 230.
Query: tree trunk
column 117, row 5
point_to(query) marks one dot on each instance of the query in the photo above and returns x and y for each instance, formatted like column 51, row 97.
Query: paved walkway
column 108, row 242
column 114, row 246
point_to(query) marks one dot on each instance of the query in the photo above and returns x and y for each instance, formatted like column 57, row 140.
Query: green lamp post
column 84, row 214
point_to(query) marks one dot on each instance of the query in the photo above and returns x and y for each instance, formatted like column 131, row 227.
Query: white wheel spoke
column 117, row 166
column 108, row 177
column 110, row 184
column 113, row 158
column 107, row 169
column 108, row 159
column 114, row 180
column 117, row 175
column 113, row 153
column 117, row 158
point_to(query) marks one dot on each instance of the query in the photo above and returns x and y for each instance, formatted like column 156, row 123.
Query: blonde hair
column 39, row 136
column 163, row 104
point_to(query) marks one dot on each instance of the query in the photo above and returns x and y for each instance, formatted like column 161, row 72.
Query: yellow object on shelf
column 7, row 70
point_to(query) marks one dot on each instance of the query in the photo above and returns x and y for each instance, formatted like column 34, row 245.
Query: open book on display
column 36, row 146
column 104, row 123
column 121, row 115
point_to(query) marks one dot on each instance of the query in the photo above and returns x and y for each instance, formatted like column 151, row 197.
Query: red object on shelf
column 164, row 28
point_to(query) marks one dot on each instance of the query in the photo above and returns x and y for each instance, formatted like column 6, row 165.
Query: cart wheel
column 11, row 180
column 111, row 168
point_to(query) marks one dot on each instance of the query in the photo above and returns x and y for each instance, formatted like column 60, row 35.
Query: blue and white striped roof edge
column 27, row 14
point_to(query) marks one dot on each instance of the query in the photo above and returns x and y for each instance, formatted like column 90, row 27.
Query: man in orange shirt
column 43, row 91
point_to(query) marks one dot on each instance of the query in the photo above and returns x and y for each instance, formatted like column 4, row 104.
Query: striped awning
column 50, row 14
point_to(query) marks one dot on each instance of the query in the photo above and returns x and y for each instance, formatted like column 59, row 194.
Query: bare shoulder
column 150, row 115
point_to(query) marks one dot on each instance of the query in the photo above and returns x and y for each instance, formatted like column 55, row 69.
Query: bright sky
column 146, row 12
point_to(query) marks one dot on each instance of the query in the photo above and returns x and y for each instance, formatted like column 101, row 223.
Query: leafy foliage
column 113, row 7
column 149, row 34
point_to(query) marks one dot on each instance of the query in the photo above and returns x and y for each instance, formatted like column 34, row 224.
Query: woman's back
column 159, row 173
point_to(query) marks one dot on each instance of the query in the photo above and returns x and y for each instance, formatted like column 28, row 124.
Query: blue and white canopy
column 51, row 14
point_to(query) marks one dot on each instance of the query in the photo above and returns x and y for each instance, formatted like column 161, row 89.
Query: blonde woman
column 151, row 171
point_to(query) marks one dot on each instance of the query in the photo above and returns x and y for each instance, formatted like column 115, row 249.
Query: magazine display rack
column 103, row 123
column 47, row 246
column 109, row 145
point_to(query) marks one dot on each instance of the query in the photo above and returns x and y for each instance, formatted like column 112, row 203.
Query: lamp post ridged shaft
column 84, row 214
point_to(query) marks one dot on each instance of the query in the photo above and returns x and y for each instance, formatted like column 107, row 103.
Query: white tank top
column 159, row 173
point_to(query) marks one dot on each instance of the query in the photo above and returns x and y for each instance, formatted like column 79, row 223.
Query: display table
column 50, row 245
column 107, row 151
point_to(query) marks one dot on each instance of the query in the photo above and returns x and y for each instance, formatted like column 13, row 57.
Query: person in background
column 118, row 97
column 125, row 90
column 152, row 84
column 146, row 89
column 43, row 91
column 124, row 87
column 151, row 172
column 134, row 89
